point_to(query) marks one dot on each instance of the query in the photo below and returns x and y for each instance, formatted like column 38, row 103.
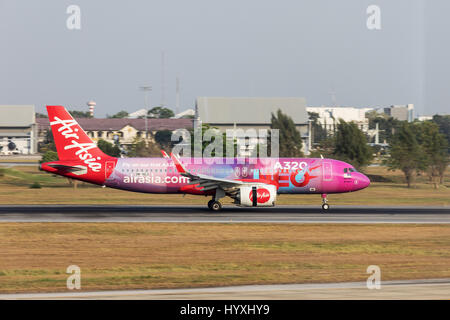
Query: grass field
column 34, row 256
column 15, row 189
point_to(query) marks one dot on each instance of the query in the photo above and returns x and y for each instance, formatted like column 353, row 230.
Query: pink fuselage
column 290, row 175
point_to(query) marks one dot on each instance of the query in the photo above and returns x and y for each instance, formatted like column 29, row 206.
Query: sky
column 321, row 50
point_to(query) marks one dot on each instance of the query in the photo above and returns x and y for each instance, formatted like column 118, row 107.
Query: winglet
column 181, row 169
column 165, row 154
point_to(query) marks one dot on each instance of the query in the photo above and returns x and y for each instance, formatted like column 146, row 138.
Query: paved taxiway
column 407, row 289
column 279, row 214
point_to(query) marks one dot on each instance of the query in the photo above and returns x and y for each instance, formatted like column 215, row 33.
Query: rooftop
column 16, row 115
column 249, row 110
column 95, row 124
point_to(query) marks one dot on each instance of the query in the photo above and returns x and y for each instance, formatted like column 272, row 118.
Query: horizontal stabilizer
column 74, row 169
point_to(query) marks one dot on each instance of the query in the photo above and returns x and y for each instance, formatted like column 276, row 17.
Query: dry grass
column 34, row 256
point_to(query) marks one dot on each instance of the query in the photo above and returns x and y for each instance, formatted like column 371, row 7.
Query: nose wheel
column 214, row 205
column 325, row 205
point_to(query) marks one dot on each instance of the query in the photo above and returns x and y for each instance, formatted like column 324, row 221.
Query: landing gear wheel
column 210, row 203
column 215, row 205
column 325, row 207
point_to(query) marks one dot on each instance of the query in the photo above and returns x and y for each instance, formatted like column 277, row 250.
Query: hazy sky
column 230, row 48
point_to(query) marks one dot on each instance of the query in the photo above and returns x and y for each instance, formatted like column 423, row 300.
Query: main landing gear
column 325, row 205
column 214, row 205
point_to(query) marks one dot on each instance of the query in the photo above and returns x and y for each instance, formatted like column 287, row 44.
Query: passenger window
column 345, row 170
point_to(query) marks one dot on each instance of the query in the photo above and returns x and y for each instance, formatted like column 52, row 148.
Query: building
column 329, row 116
column 399, row 112
column 18, row 131
column 424, row 118
column 189, row 113
column 138, row 114
column 122, row 130
column 255, row 113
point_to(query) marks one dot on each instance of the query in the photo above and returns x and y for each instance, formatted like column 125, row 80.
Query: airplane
column 250, row 184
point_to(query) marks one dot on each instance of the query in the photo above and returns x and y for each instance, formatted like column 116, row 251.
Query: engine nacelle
column 257, row 196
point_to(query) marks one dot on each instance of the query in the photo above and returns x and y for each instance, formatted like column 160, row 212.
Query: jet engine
column 257, row 196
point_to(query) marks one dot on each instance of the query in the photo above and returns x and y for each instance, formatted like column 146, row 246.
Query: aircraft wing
column 204, row 181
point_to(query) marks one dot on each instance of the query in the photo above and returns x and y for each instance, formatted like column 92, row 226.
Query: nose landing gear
column 325, row 205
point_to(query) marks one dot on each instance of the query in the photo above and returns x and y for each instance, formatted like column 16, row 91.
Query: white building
column 227, row 113
column 399, row 112
column 18, row 133
column 329, row 116
column 137, row 114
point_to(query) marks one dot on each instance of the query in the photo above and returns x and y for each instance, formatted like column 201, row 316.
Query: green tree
column 205, row 143
column 108, row 148
column 139, row 148
column 80, row 114
column 444, row 127
column 351, row 144
column 160, row 113
column 386, row 125
column 49, row 156
column 434, row 145
column 318, row 133
column 290, row 140
column 41, row 115
column 406, row 153
column 163, row 138
column 48, row 144
column 119, row 115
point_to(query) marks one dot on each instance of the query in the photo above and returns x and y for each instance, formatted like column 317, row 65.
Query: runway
column 233, row 214
column 406, row 289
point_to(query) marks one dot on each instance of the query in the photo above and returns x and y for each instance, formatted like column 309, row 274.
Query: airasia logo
column 81, row 149
column 262, row 195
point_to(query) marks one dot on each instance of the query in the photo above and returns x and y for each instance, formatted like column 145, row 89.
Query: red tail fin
column 72, row 143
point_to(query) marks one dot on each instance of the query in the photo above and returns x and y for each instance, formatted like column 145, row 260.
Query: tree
column 41, row 115
column 444, row 127
column 48, row 144
column 80, row 114
column 434, row 145
column 406, row 153
column 139, row 148
column 108, row 148
column 205, row 143
column 163, row 138
column 160, row 113
column 386, row 125
column 119, row 115
column 351, row 144
column 290, row 139
column 49, row 156
column 318, row 133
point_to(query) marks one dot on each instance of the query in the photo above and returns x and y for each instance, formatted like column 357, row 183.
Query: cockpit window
column 345, row 170
column 352, row 170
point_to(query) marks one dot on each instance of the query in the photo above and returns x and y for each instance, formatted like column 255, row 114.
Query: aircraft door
column 109, row 168
column 327, row 172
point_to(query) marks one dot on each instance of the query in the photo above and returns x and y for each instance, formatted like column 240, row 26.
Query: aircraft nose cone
column 364, row 182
